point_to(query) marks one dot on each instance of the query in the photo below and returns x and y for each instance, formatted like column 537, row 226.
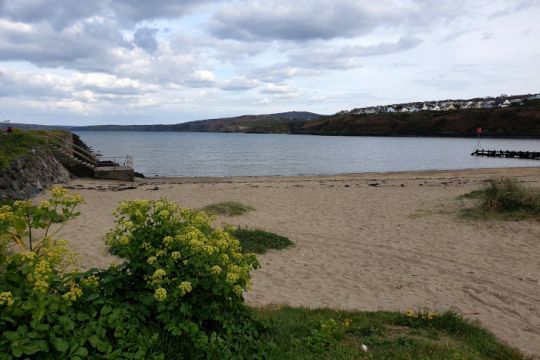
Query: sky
column 91, row 62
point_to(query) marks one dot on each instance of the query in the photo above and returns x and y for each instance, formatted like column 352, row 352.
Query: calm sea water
column 217, row 154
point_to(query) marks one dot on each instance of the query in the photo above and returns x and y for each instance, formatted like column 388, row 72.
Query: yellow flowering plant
column 188, row 273
column 48, row 312
column 31, row 226
column 180, row 278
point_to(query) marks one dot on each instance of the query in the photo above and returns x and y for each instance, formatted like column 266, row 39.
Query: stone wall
column 30, row 174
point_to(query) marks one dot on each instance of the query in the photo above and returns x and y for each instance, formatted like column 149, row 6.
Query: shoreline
column 432, row 172
column 366, row 241
column 524, row 137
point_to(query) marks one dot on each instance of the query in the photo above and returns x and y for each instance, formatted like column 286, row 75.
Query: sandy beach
column 388, row 241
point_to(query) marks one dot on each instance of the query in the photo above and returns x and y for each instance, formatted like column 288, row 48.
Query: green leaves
column 25, row 342
column 188, row 275
column 19, row 220
column 60, row 344
column 66, row 323
column 181, row 279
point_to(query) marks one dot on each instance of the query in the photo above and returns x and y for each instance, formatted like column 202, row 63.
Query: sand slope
column 366, row 241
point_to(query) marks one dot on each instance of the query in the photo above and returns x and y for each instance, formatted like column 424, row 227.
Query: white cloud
column 104, row 60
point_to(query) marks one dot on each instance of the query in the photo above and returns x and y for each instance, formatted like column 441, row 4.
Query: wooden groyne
column 530, row 155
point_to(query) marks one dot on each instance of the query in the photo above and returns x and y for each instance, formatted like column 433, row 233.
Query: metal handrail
column 128, row 160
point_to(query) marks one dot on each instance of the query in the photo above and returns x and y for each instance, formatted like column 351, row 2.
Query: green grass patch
column 259, row 241
column 504, row 198
column 228, row 208
column 20, row 142
column 298, row 333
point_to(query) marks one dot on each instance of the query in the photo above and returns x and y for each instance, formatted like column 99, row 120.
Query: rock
column 31, row 174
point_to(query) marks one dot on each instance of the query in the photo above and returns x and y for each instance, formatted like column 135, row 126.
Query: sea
column 235, row 154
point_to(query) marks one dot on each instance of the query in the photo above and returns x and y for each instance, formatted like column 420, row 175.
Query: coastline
column 365, row 241
column 259, row 178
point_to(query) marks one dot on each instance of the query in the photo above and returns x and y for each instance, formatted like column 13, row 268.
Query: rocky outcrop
column 30, row 174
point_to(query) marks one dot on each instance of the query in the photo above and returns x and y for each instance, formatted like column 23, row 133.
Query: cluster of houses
column 501, row 101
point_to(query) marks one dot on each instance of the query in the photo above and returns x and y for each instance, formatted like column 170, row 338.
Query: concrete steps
column 74, row 159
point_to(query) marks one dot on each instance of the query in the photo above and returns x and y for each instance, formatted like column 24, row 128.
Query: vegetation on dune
column 259, row 241
column 227, row 208
column 179, row 295
column 505, row 198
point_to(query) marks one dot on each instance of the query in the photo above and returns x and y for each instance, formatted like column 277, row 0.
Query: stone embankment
column 28, row 175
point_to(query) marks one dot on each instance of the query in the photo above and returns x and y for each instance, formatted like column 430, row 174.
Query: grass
column 504, row 198
column 299, row 333
column 259, row 241
column 387, row 335
column 228, row 208
column 19, row 142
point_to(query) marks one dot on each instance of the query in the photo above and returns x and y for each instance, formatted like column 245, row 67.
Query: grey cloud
column 317, row 58
column 515, row 6
column 146, row 38
column 88, row 49
column 62, row 13
column 348, row 57
column 58, row 13
column 303, row 20
column 138, row 10
column 314, row 60
column 296, row 21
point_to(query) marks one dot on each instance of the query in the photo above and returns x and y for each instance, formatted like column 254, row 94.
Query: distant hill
column 520, row 121
column 271, row 123
column 514, row 121
column 34, row 126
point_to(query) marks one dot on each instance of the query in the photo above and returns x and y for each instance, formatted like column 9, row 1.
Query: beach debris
column 122, row 188
column 364, row 347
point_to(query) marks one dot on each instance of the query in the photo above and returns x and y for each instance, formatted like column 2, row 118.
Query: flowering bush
column 47, row 312
column 188, row 274
column 181, row 279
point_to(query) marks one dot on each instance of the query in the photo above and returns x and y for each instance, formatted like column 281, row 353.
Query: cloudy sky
column 170, row 61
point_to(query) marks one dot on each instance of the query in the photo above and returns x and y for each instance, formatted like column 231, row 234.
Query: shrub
column 189, row 275
column 181, row 280
column 48, row 312
column 228, row 208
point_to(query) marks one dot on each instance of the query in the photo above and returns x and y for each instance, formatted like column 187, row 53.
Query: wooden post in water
column 478, row 132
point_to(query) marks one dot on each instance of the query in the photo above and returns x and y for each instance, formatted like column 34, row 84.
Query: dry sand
column 363, row 241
